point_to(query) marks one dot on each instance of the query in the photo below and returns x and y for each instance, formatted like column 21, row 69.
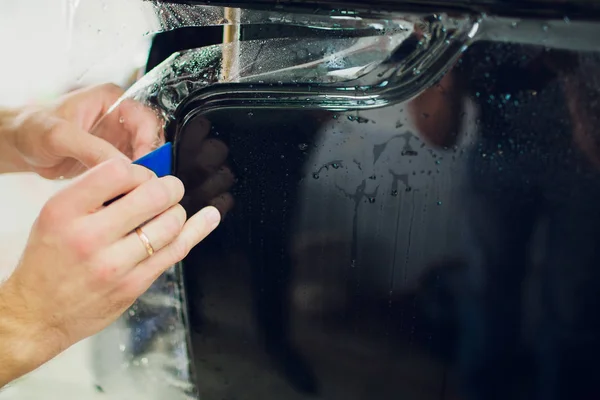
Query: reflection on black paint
column 389, row 260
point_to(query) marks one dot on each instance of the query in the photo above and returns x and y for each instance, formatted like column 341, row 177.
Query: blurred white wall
column 35, row 65
column 40, row 59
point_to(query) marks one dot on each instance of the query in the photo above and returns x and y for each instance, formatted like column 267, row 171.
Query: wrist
column 10, row 159
column 22, row 343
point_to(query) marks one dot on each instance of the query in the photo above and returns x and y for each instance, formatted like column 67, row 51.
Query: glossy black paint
column 444, row 248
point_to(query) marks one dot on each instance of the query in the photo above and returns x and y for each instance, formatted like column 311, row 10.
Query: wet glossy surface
column 536, row 8
column 410, row 211
column 442, row 248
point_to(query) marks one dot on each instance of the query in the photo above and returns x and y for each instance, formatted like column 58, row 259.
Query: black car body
column 411, row 200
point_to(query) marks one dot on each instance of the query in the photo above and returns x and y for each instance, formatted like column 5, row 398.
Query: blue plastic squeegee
column 159, row 161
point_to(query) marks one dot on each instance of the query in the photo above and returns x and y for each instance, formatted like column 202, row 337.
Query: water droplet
column 303, row 146
column 372, row 177
column 131, row 313
column 145, row 361
column 316, row 176
column 371, row 200
column 514, row 24
column 250, row 114
column 439, row 203
column 394, row 193
column 545, row 28
column 335, row 165
column 122, row 347
column 566, row 19
column 408, row 189
column 121, row 120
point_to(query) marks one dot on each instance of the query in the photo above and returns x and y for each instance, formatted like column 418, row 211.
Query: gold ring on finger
column 145, row 241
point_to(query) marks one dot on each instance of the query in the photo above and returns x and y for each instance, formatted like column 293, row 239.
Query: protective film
column 363, row 167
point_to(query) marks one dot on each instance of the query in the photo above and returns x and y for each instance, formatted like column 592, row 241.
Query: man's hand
column 84, row 264
column 55, row 141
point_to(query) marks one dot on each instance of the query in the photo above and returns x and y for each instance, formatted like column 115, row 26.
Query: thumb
column 86, row 148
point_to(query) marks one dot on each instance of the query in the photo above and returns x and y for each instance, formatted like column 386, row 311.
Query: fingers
column 97, row 186
column 213, row 191
column 216, row 184
column 224, row 203
column 207, row 160
column 196, row 229
column 144, row 126
column 129, row 126
column 88, row 104
column 195, row 132
column 84, row 108
column 146, row 201
column 68, row 141
column 160, row 231
column 132, row 127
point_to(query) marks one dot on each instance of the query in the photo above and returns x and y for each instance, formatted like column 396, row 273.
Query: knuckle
column 157, row 194
column 55, row 137
column 82, row 242
column 173, row 224
column 104, row 272
column 51, row 214
column 143, row 173
column 181, row 213
column 118, row 170
column 179, row 249
column 176, row 186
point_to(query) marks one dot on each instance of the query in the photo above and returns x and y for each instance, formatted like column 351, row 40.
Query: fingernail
column 212, row 216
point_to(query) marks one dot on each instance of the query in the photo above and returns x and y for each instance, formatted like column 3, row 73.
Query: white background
column 35, row 66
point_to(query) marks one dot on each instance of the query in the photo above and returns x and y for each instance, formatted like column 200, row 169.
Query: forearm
column 10, row 160
column 23, row 345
